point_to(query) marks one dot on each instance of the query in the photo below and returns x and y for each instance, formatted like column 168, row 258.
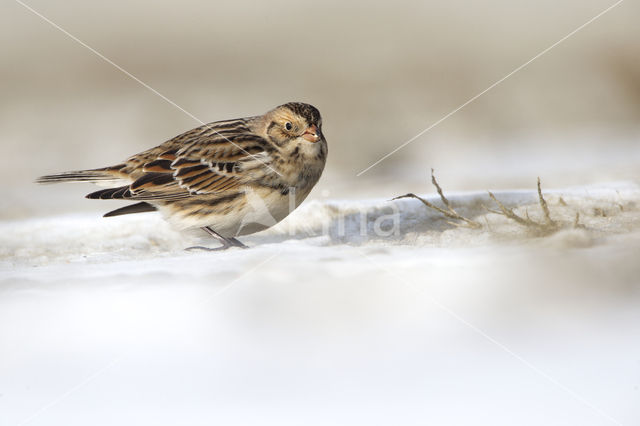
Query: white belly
column 253, row 211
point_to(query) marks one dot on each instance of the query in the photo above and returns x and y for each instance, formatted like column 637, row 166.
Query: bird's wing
column 211, row 159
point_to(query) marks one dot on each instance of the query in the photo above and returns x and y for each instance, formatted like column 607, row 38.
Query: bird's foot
column 221, row 248
column 236, row 243
column 230, row 243
column 227, row 242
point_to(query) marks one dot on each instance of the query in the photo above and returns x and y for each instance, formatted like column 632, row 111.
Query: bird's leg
column 231, row 242
column 226, row 242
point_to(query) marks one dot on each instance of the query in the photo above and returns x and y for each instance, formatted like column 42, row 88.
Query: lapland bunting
column 230, row 178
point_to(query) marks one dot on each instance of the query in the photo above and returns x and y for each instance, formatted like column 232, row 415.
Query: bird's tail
column 106, row 175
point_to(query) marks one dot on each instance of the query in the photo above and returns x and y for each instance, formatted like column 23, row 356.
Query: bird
column 230, row 178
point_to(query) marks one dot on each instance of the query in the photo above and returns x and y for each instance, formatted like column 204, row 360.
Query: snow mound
column 603, row 211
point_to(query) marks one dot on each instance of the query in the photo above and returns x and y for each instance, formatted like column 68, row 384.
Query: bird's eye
column 288, row 126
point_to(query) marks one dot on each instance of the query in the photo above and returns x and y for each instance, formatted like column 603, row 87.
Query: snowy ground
column 110, row 321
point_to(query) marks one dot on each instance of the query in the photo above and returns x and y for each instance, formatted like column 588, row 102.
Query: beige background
column 379, row 72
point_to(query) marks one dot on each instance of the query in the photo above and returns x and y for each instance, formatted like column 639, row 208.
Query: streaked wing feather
column 209, row 159
column 221, row 166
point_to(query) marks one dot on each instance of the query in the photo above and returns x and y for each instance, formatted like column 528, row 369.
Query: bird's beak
column 311, row 134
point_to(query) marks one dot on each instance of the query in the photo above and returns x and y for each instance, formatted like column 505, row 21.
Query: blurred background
column 379, row 72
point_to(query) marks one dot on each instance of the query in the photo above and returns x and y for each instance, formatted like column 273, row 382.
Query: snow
column 349, row 312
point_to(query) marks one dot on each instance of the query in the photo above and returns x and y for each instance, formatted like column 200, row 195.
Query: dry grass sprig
column 548, row 226
column 449, row 212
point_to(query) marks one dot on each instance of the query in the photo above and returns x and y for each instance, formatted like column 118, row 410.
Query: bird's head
column 295, row 124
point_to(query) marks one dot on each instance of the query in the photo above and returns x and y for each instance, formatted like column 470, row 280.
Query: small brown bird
column 230, row 178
